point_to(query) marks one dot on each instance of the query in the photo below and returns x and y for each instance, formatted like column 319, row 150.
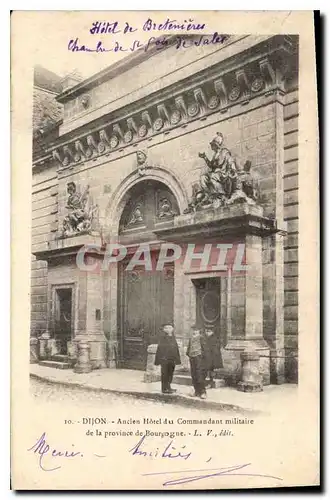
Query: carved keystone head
column 141, row 157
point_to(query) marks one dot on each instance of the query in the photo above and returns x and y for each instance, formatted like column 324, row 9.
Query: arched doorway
column 145, row 297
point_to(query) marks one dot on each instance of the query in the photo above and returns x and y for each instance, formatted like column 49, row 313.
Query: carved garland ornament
column 213, row 102
column 175, row 117
column 234, row 93
column 128, row 137
column 195, row 103
column 143, row 131
column 158, row 124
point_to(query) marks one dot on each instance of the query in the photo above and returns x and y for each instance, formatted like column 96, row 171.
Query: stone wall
column 291, row 215
column 44, row 217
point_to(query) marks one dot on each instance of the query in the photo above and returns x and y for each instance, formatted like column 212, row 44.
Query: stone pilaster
column 90, row 311
column 277, row 342
column 184, row 312
column 245, row 313
column 277, row 359
column 109, row 320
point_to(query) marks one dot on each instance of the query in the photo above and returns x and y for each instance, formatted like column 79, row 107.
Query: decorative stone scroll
column 223, row 183
column 213, row 95
column 82, row 214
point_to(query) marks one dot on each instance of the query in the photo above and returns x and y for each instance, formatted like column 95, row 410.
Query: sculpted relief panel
column 223, row 182
column 82, row 216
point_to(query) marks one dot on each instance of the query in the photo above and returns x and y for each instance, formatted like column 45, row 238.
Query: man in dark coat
column 212, row 358
column 167, row 356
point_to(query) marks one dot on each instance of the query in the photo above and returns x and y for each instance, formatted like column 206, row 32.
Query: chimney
column 71, row 80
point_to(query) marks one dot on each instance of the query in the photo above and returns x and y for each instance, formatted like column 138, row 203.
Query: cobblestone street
column 44, row 392
column 108, row 387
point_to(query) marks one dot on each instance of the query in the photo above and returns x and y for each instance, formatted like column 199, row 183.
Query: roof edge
column 114, row 69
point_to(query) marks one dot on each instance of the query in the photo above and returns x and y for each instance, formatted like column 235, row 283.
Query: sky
column 48, row 44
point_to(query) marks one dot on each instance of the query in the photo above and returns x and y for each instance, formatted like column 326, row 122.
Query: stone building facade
column 124, row 165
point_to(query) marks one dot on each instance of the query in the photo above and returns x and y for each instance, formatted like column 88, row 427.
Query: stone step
column 61, row 365
column 184, row 379
column 60, row 357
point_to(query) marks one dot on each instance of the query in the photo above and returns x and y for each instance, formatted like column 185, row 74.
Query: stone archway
column 117, row 203
column 145, row 294
column 151, row 295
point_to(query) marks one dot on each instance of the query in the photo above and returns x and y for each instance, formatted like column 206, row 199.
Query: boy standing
column 211, row 356
column 167, row 356
column 195, row 354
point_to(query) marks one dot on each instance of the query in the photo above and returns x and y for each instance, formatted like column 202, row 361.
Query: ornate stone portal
column 223, row 183
column 82, row 212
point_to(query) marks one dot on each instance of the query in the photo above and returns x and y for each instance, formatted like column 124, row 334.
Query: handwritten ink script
column 169, row 451
column 160, row 41
column 101, row 27
column 51, row 459
column 43, row 450
column 190, row 475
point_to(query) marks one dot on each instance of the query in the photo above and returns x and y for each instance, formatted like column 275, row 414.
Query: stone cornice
column 234, row 81
column 232, row 220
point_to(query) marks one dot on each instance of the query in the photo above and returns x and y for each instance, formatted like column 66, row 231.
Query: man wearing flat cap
column 167, row 356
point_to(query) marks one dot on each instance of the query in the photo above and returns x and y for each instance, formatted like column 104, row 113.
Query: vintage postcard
column 165, row 330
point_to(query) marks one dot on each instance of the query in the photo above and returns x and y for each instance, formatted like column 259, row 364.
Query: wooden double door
column 145, row 303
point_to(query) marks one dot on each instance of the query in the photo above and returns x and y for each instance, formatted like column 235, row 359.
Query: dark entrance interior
column 63, row 318
column 208, row 305
column 145, row 298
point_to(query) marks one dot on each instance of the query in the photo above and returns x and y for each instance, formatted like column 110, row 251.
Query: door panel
column 145, row 303
column 138, row 322
column 63, row 318
column 208, row 305
column 164, row 300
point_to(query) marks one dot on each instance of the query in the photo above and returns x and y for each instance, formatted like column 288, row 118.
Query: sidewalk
column 130, row 382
